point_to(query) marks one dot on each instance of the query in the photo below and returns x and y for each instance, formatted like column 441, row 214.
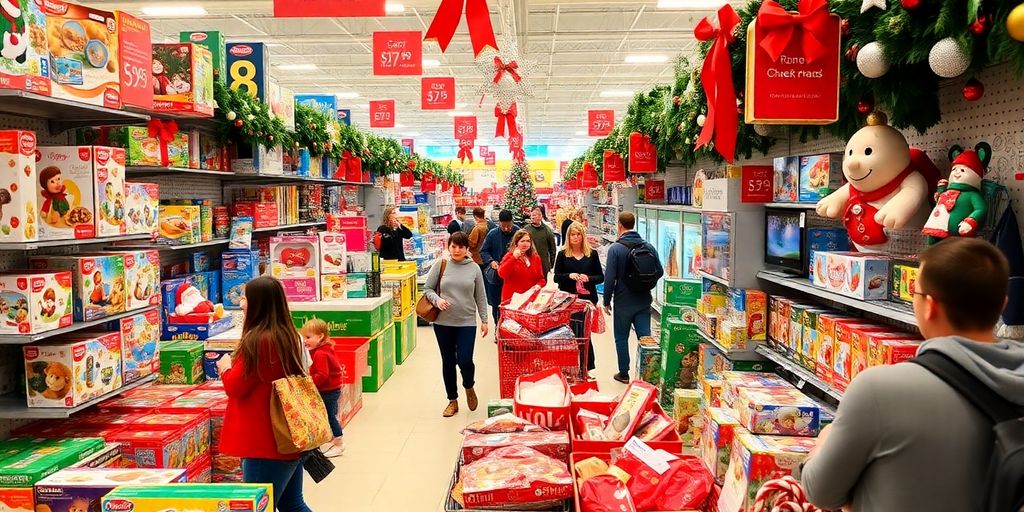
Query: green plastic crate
column 405, row 337
column 346, row 317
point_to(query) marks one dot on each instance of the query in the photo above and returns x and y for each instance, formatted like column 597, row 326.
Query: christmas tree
column 520, row 196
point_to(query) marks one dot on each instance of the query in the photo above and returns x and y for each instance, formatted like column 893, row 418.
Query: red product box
column 492, row 481
column 200, row 470
column 671, row 442
column 226, row 468
column 552, row 418
column 842, row 351
column 140, row 404
column 264, row 215
column 826, row 345
column 552, row 444
column 168, row 391
column 198, row 440
column 163, row 448
column 895, row 351
column 865, row 340
column 107, row 418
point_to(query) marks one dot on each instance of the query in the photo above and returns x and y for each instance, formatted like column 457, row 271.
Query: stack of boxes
column 680, row 340
column 398, row 282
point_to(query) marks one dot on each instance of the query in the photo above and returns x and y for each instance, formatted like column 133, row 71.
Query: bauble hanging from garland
column 948, row 58
column 866, row 105
column 231, row 116
column 871, row 60
column 1015, row 23
column 701, row 119
column 910, row 5
column 763, row 129
column 973, row 90
column 980, row 25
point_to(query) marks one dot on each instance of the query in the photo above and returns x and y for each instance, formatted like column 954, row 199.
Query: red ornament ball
column 238, row 123
column 910, row 5
column 865, row 106
column 980, row 25
column 974, row 90
column 676, row 100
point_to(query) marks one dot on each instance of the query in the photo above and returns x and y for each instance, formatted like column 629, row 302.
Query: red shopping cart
column 531, row 351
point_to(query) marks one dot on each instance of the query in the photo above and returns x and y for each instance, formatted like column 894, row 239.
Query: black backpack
column 642, row 267
column 1004, row 481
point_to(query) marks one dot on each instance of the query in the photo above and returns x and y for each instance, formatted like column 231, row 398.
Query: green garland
column 247, row 120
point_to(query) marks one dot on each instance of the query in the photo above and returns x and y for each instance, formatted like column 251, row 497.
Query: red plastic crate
column 352, row 353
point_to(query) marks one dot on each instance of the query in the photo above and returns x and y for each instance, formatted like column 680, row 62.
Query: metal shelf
column 716, row 279
column 685, row 208
column 899, row 312
column 735, row 355
column 29, row 246
column 144, row 171
column 15, row 408
column 794, row 206
column 61, row 114
column 22, row 339
column 167, row 247
column 804, row 377
column 287, row 227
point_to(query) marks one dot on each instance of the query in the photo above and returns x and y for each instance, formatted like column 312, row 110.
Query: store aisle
column 400, row 451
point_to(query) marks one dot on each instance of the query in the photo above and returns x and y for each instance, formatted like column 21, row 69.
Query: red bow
column 478, row 19
column 518, row 155
column 508, row 118
column 164, row 131
column 466, row 151
column 778, row 27
column 716, row 75
column 511, row 68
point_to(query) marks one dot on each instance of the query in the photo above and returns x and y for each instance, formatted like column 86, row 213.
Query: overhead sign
column 437, row 93
column 600, row 123
column 465, row 128
column 382, row 114
column 328, row 8
column 397, row 53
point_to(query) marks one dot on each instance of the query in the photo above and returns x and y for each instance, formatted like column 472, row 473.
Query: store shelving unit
column 42, row 244
column 248, row 179
column 13, row 407
column 289, row 227
column 799, row 375
column 61, row 114
column 715, row 278
column 166, row 247
column 22, row 339
column 793, row 206
column 885, row 309
column 735, row 355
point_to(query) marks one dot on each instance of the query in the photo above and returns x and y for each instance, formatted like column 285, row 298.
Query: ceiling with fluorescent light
column 591, row 53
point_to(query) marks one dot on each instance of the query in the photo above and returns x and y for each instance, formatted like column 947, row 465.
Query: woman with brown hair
column 521, row 268
column 390, row 236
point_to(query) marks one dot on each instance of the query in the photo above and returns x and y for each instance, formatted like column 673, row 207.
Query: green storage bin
column 346, row 317
column 680, row 357
column 681, row 292
column 381, row 359
column 405, row 337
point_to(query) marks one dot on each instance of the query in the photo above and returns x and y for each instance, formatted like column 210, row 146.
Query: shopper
column 459, row 292
column 494, row 249
column 521, row 268
column 269, row 349
column 477, row 236
column 902, row 438
column 543, row 238
column 326, row 373
column 574, row 216
column 578, row 271
column 631, row 272
column 390, row 236
column 459, row 222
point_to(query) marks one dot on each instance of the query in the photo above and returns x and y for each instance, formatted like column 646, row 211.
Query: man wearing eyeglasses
column 904, row 440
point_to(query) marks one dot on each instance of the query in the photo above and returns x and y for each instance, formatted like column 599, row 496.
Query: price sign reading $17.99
column 757, row 185
column 382, row 114
column 397, row 53
column 437, row 93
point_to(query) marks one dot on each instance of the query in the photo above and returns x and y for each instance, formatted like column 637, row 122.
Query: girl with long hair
column 578, row 271
column 521, row 268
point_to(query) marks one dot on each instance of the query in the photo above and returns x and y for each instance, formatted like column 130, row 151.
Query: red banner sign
column 328, row 8
column 135, row 48
column 756, row 183
column 397, row 53
column 437, row 93
column 428, row 183
column 465, row 128
column 643, row 156
column 490, row 159
column 600, row 122
column 654, row 190
column 382, row 114
column 614, row 168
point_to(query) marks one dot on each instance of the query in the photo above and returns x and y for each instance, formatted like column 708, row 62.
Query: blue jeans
column 494, row 299
column 331, row 399
column 456, row 344
column 284, row 475
column 623, row 318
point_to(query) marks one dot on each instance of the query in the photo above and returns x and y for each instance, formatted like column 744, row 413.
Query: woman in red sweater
column 521, row 268
column 269, row 350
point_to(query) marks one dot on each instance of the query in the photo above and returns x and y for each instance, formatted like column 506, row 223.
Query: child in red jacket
column 326, row 374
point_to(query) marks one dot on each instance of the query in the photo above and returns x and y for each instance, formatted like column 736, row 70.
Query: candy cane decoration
column 783, row 495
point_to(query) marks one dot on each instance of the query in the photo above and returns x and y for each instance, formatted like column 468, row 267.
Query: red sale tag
column 465, row 128
column 614, row 168
column 490, row 159
column 643, row 156
column 135, row 49
column 437, row 93
column 654, row 190
column 756, row 181
column 382, row 114
column 600, row 122
column 484, row 150
column 562, row 166
column 397, row 53
column 328, row 8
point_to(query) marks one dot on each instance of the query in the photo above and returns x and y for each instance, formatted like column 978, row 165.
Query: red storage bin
column 352, row 354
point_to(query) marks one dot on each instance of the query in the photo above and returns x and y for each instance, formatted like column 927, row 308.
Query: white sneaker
column 326, row 446
column 334, row 451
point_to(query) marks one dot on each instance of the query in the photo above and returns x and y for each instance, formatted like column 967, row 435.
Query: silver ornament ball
column 871, row 60
column 701, row 119
column 762, row 129
column 948, row 58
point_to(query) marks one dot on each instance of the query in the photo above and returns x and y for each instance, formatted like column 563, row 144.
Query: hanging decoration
column 867, row 4
column 948, row 58
column 716, row 77
column 478, row 20
column 643, row 156
column 973, row 90
column 871, row 60
column 515, row 146
column 910, row 5
column 164, row 132
column 588, row 176
column 614, row 167
column 506, row 74
column 506, row 118
column 1015, row 23
column 466, row 150
column 866, row 105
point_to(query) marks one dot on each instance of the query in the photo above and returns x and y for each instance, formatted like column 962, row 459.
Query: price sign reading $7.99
column 757, row 184
column 398, row 53
column 437, row 93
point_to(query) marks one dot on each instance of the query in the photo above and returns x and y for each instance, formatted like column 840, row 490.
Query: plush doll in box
column 959, row 203
column 888, row 184
column 191, row 302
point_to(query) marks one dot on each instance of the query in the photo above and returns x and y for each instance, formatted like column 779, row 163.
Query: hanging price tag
column 437, row 93
column 328, row 8
column 490, row 159
column 756, row 183
column 382, row 114
column 397, row 53
column 600, row 122
column 465, row 128
column 135, row 48
column 654, row 190
column 484, row 150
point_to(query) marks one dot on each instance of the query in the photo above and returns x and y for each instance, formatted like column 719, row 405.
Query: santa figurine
column 959, row 204
column 190, row 301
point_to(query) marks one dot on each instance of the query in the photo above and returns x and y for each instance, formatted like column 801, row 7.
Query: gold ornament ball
column 1015, row 23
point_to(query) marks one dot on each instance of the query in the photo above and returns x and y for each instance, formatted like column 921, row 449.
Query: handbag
column 598, row 325
column 317, row 465
column 424, row 308
column 297, row 414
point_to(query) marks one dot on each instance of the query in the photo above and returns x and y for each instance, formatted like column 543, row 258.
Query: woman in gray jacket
column 460, row 295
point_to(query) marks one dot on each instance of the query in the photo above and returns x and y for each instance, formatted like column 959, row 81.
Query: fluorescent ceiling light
column 431, row 63
column 399, row 126
column 346, row 95
column 460, row 106
column 616, row 94
column 174, row 11
column 458, row 113
column 646, row 59
column 296, row 67
column 584, row 133
column 394, row 8
column 691, row 5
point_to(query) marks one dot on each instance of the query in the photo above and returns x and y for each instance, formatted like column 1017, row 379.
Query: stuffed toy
column 190, row 300
column 292, row 257
column 959, row 204
column 888, row 183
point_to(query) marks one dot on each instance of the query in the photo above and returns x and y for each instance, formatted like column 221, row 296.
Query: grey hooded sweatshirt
column 905, row 441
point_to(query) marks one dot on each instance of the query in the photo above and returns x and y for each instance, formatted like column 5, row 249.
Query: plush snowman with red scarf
column 889, row 184
column 959, row 203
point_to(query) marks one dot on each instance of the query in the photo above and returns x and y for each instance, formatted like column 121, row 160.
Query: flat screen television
column 785, row 240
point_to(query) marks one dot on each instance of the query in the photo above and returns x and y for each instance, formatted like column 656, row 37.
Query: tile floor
column 400, row 452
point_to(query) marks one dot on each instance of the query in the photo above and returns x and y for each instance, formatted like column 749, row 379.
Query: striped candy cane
column 783, row 495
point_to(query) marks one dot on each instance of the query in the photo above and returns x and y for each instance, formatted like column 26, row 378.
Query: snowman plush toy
column 888, row 185
column 960, row 206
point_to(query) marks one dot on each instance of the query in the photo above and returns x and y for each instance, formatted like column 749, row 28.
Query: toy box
column 778, row 411
column 648, row 361
column 80, row 490
column 110, row 198
column 214, row 42
column 142, row 276
column 401, row 287
column 756, row 460
column 143, row 149
column 153, row 448
column 293, row 261
column 237, row 268
column 142, row 201
column 826, row 344
column 193, row 497
column 734, row 381
column 66, row 193
column 712, row 361
column 72, row 371
column 842, row 351
column 17, row 202
column 864, row 340
column 197, row 424
column 196, row 332
column 25, row 63
column 806, row 353
column 37, row 459
column 825, row 239
column 183, row 79
column 903, row 283
column 34, row 302
column 181, row 362
column 686, row 413
column 99, row 288
column 853, row 274
column 180, row 225
column 681, row 292
column 140, row 335
column 894, row 351
column 720, row 426
column 348, row 317
column 679, row 359
column 749, row 308
column 787, row 179
column 84, row 61
column 333, row 287
column 333, row 254
column 820, row 175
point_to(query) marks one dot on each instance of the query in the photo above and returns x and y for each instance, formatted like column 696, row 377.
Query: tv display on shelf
column 785, row 240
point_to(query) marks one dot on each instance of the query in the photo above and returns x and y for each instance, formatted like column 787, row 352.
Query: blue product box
column 786, row 171
column 213, row 278
column 820, row 175
column 210, row 359
column 237, row 268
column 199, row 262
column 195, row 332
column 825, row 239
column 420, row 198
column 304, row 162
column 169, row 288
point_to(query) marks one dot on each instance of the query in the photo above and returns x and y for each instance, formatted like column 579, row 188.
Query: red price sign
column 600, row 122
column 135, row 47
column 654, row 190
column 756, row 181
column 490, row 159
column 465, row 128
column 437, row 93
column 382, row 114
column 397, row 53
column 328, row 8
column 484, row 150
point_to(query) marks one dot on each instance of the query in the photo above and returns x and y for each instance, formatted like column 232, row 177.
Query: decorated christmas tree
column 520, row 197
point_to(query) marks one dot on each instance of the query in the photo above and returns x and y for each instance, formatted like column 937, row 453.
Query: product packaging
column 680, row 343
column 72, row 371
column 18, row 182
column 648, row 361
column 858, row 275
column 903, row 283
column 842, row 351
column 825, row 239
column 820, row 175
column 143, row 205
column 77, row 489
column 543, row 398
column 756, row 460
column 183, row 79
column 734, row 380
column 66, row 193
column 180, row 225
column 865, row 341
column 787, row 179
column 720, row 426
column 806, row 350
column 349, row 317
column 140, row 335
column 35, row 302
column 37, row 459
column 144, row 148
column 293, row 261
column 824, row 353
column 98, row 283
column 84, row 61
column 681, row 292
column 181, row 362
column 214, row 42
column 778, row 411
column 499, row 406
column 334, row 287
column 142, row 276
column 512, row 475
column 238, row 267
column 25, row 63
column 333, row 254
column 552, row 444
column 686, row 413
column 628, row 413
column 153, row 448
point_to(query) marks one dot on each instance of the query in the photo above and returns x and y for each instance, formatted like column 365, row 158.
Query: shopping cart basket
column 530, row 353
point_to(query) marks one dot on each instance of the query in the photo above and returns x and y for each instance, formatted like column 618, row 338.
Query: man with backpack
column 944, row 430
column 632, row 271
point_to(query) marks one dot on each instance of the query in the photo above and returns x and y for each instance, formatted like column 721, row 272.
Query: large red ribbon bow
column 777, row 27
column 506, row 118
column 164, row 132
column 716, row 75
column 466, row 151
column 500, row 68
column 478, row 19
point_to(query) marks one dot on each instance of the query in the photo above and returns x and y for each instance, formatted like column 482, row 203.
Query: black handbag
column 317, row 465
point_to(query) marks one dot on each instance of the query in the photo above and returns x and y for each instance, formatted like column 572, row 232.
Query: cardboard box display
column 18, row 212
column 200, row 471
column 72, row 371
column 820, row 175
column 381, row 359
column 895, row 351
column 210, row 359
column 825, row 239
column 720, row 427
column 349, row 317
column 681, row 292
column 712, row 361
column 76, row 489
column 756, row 460
column 686, row 413
column 190, row 496
column 142, row 276
column 39, row 459
column 35, row 302
column 401, row 287
column 679, row 358
column 778, row 411
column 858, row 275
column 66, row 193
column 405, row 337
column 749, row 308
column 786, row 170
column 711, row 390
column 842, row 352
column 153, row 448
column 294, row 262
column 648, row 361
column 214, row 42
column 25, row 64
column 197, row 439
column 196, row 332
column 552, row 444
column 333, row 254
column 181, row 362
column 84, row 59
column 143, row 208
column 180, row 225
column 238, row 267
column 140, row 335
column 866, row 340
column 98, row 283
column 183, row 79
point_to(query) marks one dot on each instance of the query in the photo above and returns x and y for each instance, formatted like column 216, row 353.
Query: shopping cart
column 530, row 353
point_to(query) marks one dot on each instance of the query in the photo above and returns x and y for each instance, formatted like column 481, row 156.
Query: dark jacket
column 615, row 273
column 494, row 249
column 589, row 266
column 565, row 228
column 455, row 226
column 391, row 245
column 544, row 240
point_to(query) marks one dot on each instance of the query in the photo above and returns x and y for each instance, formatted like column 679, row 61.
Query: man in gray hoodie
column 904, row 440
